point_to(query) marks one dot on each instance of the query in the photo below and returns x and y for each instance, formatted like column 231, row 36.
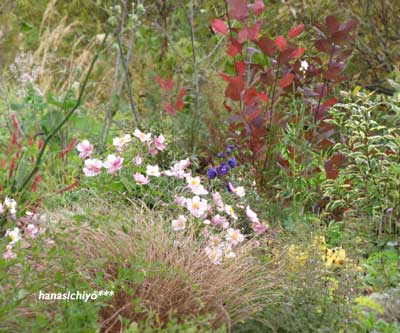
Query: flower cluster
column 332, row 257
column 224, row 167
column 113, row 162
column 28, row 228
column 196, row 203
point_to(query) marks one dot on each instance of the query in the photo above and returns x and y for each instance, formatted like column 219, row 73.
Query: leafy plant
column 363, row 176
column 267, row 71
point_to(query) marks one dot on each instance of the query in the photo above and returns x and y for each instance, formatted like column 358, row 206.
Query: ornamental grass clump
column 153, row 273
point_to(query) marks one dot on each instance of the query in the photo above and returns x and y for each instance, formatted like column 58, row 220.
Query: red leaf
column 323, row 45
column 180, row 103
column 219, row 26
column 243, row 35
column 235, row 88
column 340, row 36
column 330, row 102
column 232, row 50
column 281, row 43
column 165, row 84
column 286, row 80
column 240, row 67
column 68, row 148
column 338, row 159
column 226, row 78
column 267, row 46
column 283, row 162
column 253, row 115
column 249, row 33
column 263, row 97
column 239, row 9
column 249, row 95
column 332, row 73
column 295, row 31
column 169, row 109
column 254, row 31
column 321, row 89
column 331, row 171
column 332, row 23
column 297, row 53
column 258, row 7
column 268, row 77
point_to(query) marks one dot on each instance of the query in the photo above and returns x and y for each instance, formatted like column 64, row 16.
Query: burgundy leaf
column 331, row 171
column 340, row 36
column 235, row 88
column 267, row 46
column 332, row 23
column 323, row 45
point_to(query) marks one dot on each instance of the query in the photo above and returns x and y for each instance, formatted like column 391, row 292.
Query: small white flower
column 138, row 160
column 214, row 254
column 234, row 236
column 14, row 235
column 197, row 207
column 179, row 223
column 304, row 66
column 120, row 142
column 229, row 210
column 153, row 170
column 11, row 204
column 239, row 191
column 144, row 137
column 31, row 230
column 228, row 252
column 251, row 215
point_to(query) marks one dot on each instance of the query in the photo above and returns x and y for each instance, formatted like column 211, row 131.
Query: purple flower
column 220, row 155
column 230, row 187
column 212, row 173
column 232, row 162
column 223, row 169
column 230, row 149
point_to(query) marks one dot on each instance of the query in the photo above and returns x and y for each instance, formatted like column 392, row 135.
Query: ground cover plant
column 199, row 166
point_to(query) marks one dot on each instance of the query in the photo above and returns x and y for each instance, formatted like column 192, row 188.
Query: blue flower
column 212, row 173
column 232, row 162
column 230, row 187
column 230, row 149
column 220, row 155
column 223, row 169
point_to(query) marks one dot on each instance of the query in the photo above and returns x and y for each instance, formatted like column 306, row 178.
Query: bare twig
column 190, row 17
column 128, row 83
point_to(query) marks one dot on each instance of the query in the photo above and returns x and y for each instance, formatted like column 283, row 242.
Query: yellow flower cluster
column 332, row 257
column 335, row 256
